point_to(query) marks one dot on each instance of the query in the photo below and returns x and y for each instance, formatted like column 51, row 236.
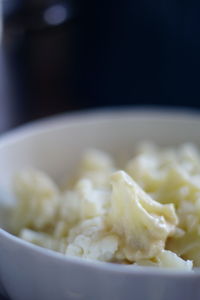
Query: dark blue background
column 140, row 52
column 107, row 53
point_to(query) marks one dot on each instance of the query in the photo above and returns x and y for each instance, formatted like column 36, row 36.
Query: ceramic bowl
column 28, row 272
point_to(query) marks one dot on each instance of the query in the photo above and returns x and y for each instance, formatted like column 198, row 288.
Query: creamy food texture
column 147, row 214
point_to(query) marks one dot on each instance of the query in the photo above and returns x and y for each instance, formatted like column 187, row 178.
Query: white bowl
column 54, row 145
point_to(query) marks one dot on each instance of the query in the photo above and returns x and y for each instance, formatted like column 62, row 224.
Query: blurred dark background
column 61, row 56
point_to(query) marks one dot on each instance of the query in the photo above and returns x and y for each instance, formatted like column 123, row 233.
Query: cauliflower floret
column 96, row 160
column 43, row 240
column 149, row 166
column 69, row 210
column 93, row 201
column 142, row 223
column 179, row 185
column 186, row 246
column 90, row 239
column 84, row 202
column 167, row 259
column 97, row 166
column 145, row 170
column 37, row 200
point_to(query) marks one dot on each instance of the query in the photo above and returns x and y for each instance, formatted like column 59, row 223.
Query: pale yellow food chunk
column 83, row 202
column 89, row 239
column 44, row 240
column 37, row 200
column 93, row 201
column 167, row 259
column 142, row 223
column 97, row 166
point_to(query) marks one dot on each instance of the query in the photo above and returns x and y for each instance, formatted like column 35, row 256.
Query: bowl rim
column 89, row 116
column 101, row 114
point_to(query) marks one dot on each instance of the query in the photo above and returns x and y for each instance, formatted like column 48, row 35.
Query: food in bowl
column 147, row 214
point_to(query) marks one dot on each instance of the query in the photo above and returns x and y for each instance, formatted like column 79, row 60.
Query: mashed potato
column 146, row 214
